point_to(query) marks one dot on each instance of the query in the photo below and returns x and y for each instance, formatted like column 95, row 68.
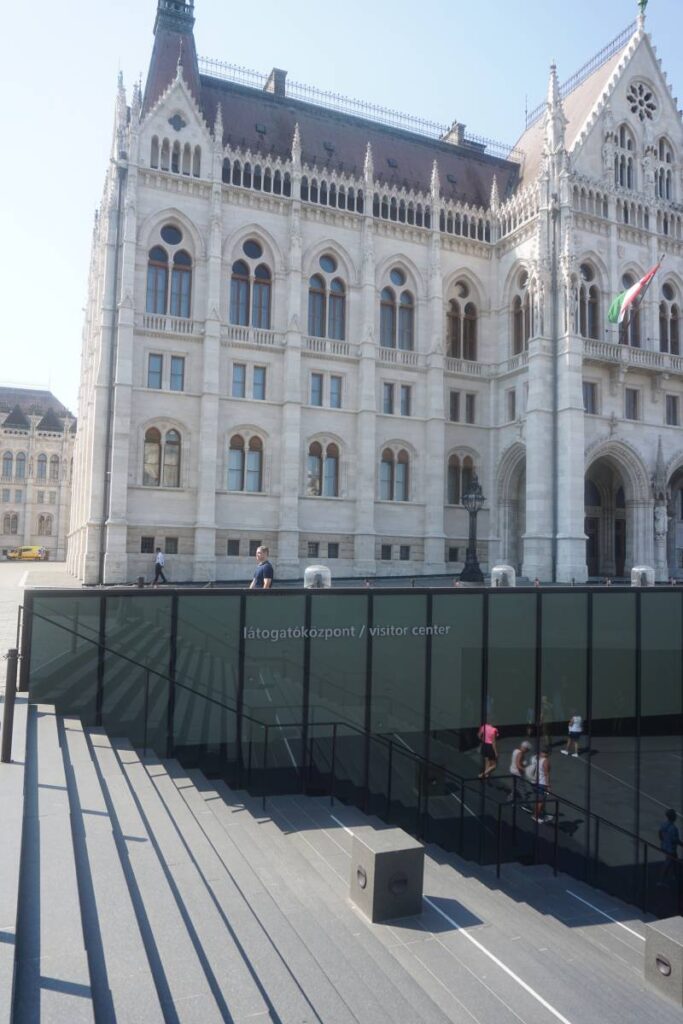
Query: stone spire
column 136, row 103
column 659, row 479
column 218, row 125
column 369, row 168
column 555, row 121
column 296, row 146
column 435, row 183
column 174, row 52
column 121, row 120
column 494, row 200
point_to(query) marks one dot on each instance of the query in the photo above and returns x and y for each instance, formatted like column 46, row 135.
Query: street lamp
column 473, row 500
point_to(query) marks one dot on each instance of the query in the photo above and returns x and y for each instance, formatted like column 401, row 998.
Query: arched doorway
column 512, row 506
column 605, row 520
column 674, row 540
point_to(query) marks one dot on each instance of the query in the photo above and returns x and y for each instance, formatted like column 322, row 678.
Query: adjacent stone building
column 36, row 452
column 311, row 322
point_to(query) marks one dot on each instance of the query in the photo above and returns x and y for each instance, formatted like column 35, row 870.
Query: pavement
column 14, row 578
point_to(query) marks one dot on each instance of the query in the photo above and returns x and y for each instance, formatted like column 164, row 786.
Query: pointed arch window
column 327, row 301
column 669, row 320
column 462, row 325
column 54, row 467
column 171, row 459
column 314, row 470
column 322, row 470
column 157, row 280
column 151, row 468
column 521, row 315
column 245, row 464
column 453, row 481
column 394, row 475
column 316, row 307
column 41, row 467
column 664, row 179
column 7, row 463
column 181, row 284
column 20, row 466
column 589, row 303
column 336, row 320
column 45, row 526
column 629, row 328
column 406, row 322
column 387, row 318
column 331, row 472
column 397, row 317
column 251, row 288
column 624, row 167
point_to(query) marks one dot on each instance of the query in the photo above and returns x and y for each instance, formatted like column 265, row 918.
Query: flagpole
column 635, row 306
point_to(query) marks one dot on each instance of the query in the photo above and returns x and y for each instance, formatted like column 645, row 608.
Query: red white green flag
column 624, row 302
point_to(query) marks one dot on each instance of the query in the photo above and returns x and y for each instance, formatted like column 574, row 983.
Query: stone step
column 296, row 986
column 176, row 963
column 122, row 982
column 12, row 816
column 369, row 958
column 331, row 930
column 52, row 972
column 523, row 932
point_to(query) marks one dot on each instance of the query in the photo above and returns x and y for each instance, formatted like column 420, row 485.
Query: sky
column 476, row 62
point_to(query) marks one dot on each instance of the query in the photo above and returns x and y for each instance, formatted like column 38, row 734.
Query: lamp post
column 473, row 500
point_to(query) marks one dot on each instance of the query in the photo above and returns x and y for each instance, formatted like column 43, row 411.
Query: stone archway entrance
column 674, row 538
column 606, row 520
column 512, row 506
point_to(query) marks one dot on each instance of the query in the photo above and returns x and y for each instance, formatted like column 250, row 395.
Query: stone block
column 387, row 868
column 664, row 957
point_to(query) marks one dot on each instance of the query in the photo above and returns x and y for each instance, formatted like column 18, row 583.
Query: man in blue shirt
column 263, row 574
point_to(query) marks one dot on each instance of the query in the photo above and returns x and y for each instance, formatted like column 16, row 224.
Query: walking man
column 159, row 563
column 263, row 573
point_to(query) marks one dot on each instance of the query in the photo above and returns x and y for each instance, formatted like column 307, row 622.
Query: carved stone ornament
column 176, row 122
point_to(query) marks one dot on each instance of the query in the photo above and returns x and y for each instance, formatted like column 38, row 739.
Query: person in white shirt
column 575, row 727
column 159, row 563
column 518, row 766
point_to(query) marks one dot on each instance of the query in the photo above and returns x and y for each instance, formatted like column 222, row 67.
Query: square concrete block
column 387, row 868
column 664, row 957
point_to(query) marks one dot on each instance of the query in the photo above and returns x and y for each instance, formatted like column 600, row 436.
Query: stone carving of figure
column 661, row 521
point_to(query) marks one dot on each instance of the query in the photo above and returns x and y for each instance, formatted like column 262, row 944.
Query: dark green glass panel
column 398, row 668
column 613, row 750
column 136, row 685
column 64, row 653
column 207, row 662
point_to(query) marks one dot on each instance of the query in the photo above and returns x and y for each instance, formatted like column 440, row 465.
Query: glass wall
column 382, row 694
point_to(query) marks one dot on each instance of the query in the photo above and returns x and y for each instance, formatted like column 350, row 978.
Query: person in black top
column 263, row 574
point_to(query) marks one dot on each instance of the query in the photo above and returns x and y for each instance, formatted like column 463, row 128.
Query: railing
column 402, row 357
column 330, row 347
column 463, row 366
column 168, row 324
column 494, row 839
column 645, row 358
column 252, row 336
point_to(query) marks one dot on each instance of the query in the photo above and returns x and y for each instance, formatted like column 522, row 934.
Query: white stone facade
column 552, row 412
column 36, row 454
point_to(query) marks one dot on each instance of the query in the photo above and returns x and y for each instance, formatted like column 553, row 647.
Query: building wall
column 570, row 217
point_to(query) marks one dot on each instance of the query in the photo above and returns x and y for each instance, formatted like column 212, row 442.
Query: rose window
column 641, row 100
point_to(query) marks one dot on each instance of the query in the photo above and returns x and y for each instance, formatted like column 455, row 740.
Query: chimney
column 276, row 82
column 455, row 134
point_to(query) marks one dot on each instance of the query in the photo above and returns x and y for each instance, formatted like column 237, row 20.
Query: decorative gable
column 174, row 136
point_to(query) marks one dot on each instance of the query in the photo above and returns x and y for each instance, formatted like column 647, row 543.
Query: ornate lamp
column 473, row 500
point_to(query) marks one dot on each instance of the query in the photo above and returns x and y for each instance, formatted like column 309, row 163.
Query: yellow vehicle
column 32, row 553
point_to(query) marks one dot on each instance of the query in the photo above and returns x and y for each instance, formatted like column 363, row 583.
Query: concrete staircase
column 148, row 893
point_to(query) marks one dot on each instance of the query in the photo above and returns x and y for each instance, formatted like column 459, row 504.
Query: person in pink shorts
column 488, row 734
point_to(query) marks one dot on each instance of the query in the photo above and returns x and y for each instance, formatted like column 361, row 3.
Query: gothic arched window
column 250, row 288
column 327, row 301
column 664, row 170
column 41, row 467
column 394, row 475
column 245, row 464
column 151, row 469
column 521, row 315
column 157, row 280
column 453, row 481
column 7, row 462
column 171, row 459
column 669, row 320
column 624, row 172
column 20, row 466
column 10, row 523
column 397, row 318
column 181, row 285
column 629, row 328
column 589, row 303
column 462, row 325
column 54, row 467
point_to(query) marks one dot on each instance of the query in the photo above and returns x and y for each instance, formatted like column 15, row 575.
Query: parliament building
column 311, row 322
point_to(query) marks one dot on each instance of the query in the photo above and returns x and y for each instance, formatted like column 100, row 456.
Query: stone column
column 290, row 442
column 434, row 470
column 364, row 563
column 571, row 538
column 539, row 433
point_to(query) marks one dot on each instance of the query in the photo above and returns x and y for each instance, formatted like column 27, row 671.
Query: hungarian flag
column 624, row 302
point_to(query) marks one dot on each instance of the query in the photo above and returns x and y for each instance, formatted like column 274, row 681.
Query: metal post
column 146, row 705
column 333, row 765
column 462, row 815
column 645, row 879
column 499, row 838
column 8, row 715
column 266, row 727
column 557, row 836
column 389, row 770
